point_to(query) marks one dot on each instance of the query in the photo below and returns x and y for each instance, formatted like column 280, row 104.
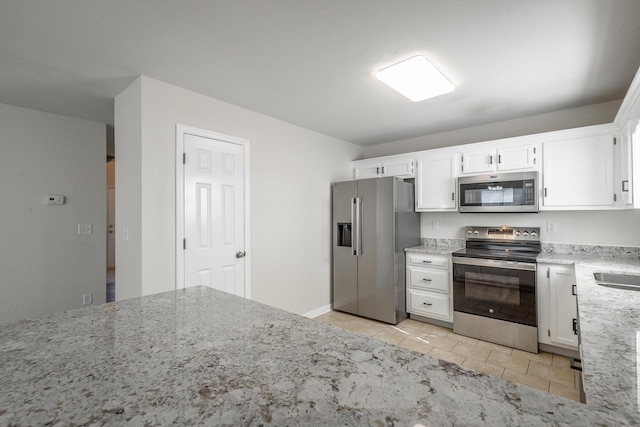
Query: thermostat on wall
column 53, row 199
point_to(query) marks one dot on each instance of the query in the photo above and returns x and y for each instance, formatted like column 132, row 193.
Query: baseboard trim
column 318, row 311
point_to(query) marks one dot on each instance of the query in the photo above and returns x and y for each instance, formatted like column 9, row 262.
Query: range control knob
column 476, row 231
column 517, row 233
column 525, row 233
column 534, row 233
column 469, row 231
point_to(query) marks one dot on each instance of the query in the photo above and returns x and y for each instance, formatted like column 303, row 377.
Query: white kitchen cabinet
column 429, row 286
column 624, row 158
column 578, row 173
column 557, row 306
column 473, row 162
column 436, row 182
column 503, row 158
column 377, row 168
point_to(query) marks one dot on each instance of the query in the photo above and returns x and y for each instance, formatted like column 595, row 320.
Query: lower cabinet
column 429, row 287
column 557, row 306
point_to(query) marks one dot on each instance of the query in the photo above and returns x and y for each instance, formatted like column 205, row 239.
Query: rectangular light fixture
column 416, row 78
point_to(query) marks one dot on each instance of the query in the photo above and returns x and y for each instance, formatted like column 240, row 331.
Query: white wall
column 291, row 169
column 616, row 228
column 565, row 119
column 128, row 155
column 45, row 266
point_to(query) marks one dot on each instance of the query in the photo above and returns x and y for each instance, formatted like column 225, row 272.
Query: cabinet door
column 624, row 158
column 479, row 161
column 403, row 168
column 543, row 299
column 371, row 170
column 436, row 184
column 518, row 157
column 564, row 308
column 578, row 173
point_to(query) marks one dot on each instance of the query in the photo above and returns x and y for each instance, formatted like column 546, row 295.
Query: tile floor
column 545, row 371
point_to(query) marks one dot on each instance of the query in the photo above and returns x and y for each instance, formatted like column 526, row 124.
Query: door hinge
column 548, row 273
column 574, row 290
column 615, row 197
column 184, row 158
column 575, row 326
column 184, row 243
column 548, row 332
column 615, row 141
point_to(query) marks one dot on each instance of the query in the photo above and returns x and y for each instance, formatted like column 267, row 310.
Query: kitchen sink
column 614, row 280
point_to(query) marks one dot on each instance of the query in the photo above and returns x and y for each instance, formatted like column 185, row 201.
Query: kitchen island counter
column 609, row 332
column 200, row 356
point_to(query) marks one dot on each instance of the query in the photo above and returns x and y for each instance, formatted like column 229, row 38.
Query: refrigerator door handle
column 356, row 216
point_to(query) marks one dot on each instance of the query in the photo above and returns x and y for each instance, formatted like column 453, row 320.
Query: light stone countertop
column 437, row 246
column 204, row 357
column 609, row 332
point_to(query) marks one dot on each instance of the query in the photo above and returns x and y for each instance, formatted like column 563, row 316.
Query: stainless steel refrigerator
column 373, row 221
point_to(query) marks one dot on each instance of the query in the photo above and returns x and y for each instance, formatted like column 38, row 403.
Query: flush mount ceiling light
column 416, row 78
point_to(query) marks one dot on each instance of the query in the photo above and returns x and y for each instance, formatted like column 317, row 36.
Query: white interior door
column 111, row 221
column 214, row 214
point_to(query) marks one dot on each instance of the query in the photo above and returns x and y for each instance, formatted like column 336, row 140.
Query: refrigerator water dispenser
column 344, row 234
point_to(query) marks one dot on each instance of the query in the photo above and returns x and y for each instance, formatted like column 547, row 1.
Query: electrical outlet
column 85, row 229
column 552, row 227
column 435, row 225
column 87, row 299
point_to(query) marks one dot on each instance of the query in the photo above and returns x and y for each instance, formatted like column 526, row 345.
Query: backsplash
column 592, row 250
column 443, row 243
column 551, row 248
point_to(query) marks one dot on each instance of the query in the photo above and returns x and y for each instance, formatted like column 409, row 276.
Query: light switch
column 85, row 229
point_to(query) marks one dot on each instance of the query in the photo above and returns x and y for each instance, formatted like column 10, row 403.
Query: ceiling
column 313, row 62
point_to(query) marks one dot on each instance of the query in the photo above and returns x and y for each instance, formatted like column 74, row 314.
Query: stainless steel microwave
column 507, row 192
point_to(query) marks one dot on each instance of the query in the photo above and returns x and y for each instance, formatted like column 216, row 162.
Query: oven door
column 503, row 290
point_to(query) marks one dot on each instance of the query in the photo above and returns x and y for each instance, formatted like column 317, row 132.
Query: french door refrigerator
column 373, row 222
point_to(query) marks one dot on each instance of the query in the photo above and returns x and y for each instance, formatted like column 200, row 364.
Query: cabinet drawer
column 429, row 260
column 428, row 279
column 429, row 304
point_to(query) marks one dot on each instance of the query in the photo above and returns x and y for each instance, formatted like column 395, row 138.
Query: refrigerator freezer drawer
column 430, row 304
column 429, row 279
column 429, row 260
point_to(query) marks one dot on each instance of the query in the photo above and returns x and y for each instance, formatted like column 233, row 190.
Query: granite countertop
column 200, row 356
column 609, row 332
column 437, row 246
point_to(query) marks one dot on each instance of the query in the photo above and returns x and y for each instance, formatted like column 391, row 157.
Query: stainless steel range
column 494, row 286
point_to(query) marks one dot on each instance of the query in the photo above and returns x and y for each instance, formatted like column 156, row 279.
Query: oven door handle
column 481, row 262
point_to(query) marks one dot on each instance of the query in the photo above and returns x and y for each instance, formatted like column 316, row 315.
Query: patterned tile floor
column 545, row 371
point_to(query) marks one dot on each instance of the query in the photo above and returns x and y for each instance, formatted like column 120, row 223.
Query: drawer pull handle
column 426, row 261
column 428, row 304
column 426, row 280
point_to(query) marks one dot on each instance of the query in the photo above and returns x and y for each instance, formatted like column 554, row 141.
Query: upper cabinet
column 578, row 172
column 627, row 146
column 377, row 168
column 436, row 181
column 504, row 157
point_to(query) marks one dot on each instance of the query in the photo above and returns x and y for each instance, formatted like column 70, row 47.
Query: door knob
column 240, row 254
